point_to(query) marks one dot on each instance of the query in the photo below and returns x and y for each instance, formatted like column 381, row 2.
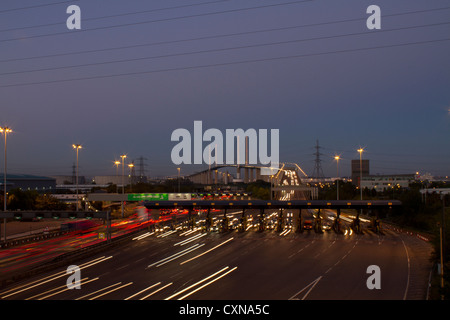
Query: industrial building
column 383, row 182
column 28, row 182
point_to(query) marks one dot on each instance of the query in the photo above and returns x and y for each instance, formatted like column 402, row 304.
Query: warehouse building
column 28, row 182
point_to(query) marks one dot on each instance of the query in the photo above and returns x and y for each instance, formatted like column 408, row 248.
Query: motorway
column 194, row 265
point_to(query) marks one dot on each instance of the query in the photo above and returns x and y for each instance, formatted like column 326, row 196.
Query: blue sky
column 311, row 69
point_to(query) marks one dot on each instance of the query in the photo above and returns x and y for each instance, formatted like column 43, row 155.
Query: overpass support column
column 208, row 222
column 108, row 226
column 225, row 221
column 337, row 221
column 280, row 221
column 318, row 223
column 356, row 223
column 191, row 220
column 243, row 224
column 300, row 221
column 261, row 220
column 376, row 224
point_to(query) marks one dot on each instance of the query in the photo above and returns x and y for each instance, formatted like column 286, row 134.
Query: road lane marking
column 112, row 290
column 201, row 281
column 175, row 256
column 138, row 293
column 162, row 235
column 193, row 238
column 197, row 283
column 189, row 232
column 54, row 289
column 66, row 288
column 122, row 267
column 159, row 289
column 310, row 286
column 409, row 269
column 145, row 235
column 33, row 282
column 100, row 290
column 201, row 254
column 58, row 275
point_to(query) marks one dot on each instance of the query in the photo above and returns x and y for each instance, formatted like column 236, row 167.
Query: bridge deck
column 276, row 204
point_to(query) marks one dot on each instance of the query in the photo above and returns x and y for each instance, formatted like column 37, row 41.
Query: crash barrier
column 397, row 229
column 31, row 239
column 67, row 258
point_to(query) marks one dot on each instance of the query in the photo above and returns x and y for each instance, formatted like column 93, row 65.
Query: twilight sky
column 137, row 70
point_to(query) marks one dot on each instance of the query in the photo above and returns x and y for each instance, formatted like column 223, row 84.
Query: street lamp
column 5, row 131
column 131, row 166
column 77, row 147
column 123, row 182
column 337, row 179
column 441, row 240
column 179, row 169
column 360, row 150
column 116, row 163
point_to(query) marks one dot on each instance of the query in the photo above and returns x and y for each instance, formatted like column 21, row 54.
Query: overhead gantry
column 263, row 205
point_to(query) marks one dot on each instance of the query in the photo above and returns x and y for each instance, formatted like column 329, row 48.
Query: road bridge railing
column 275, row 204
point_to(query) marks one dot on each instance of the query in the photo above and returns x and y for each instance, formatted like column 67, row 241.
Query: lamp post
column 77, row 147
column 360, row 150
column 123, row 182
column 5, row 131
column 337, row 179
column 441, row 240
column 131, row 166
column 116, row 163
column 179, row 169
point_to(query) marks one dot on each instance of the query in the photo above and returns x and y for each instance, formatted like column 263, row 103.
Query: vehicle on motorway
column 326, row 226
column 307, row 225
column 78, row 225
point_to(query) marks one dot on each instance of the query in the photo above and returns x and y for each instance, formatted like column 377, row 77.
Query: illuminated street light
column 179, row 169
column 337, row 179
column 5, row 131
column 360, row 150
column 77, row 147
column 117, row 163
column 123, row 182
column 131, row 166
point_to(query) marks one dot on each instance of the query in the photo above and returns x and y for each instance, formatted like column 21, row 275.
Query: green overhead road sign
column 148, row 196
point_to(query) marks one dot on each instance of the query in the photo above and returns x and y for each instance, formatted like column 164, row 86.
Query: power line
column 219, row 50
column 116, row 15
column 37, row 6
column 228, row 63
column 160, row 20
column 213, row 36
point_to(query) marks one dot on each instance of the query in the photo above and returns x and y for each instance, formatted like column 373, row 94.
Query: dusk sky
column 138, row 70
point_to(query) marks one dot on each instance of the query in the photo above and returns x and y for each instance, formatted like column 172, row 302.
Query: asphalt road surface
column 251, row 265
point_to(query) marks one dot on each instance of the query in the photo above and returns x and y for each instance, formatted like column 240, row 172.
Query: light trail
column 47, row 279
column 175, row 256
column 182, row 243
column 201, row 254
